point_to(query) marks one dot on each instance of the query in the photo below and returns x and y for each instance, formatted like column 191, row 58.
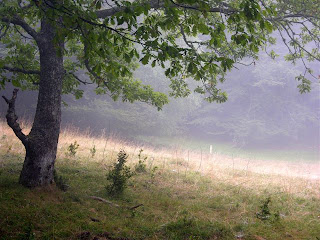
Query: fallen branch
column 104, row 200
column 114, row 204
column 94, row 219
column 134, row 207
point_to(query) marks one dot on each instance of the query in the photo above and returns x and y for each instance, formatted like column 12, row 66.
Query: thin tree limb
column 78, row 79
column 12, row 117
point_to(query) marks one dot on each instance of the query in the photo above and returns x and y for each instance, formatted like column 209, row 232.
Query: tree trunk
column 42, row 141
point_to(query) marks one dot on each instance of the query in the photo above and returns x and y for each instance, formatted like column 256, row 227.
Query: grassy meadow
column 180, row 194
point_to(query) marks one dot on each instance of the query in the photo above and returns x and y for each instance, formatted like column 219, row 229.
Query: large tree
column 47, row 43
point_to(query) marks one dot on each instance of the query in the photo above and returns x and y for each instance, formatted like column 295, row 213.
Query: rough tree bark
column 41, row 143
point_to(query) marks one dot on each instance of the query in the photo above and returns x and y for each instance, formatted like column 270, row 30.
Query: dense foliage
column 188, row 38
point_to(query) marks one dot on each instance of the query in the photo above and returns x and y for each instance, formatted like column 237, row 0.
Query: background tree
column 48, row 42
column 264, row 108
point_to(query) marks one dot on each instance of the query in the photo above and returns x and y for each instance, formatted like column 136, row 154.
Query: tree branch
column 12, row 117
column 89, row 69
column 78, row 79
column 37, row 72
column 294, row 15
column 189, row 44
column 226, row 11
column 20, row 70
column 157, row 4
column 104, row 13
column 295, row 41
column 16, row 20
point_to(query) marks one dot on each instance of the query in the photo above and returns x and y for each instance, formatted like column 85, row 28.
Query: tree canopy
column 201, row 40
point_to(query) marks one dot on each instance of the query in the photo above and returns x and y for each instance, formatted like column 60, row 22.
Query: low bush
column 119, row 175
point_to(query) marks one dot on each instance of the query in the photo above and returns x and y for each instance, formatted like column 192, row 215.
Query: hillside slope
column 178, row 195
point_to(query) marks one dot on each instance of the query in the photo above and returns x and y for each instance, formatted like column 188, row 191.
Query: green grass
column 175, row 206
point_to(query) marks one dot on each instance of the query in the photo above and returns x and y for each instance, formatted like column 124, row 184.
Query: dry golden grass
column 299, row 178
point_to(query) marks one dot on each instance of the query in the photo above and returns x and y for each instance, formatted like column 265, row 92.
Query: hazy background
column 264, row 111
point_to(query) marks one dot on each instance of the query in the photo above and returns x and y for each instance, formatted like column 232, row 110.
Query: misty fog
column 264, row 110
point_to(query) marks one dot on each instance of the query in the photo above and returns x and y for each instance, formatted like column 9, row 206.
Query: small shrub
column 119, row 175
column 265, row 213
column 141, row 166
column 153, row 173
column 9, row 149
column 93, row 151
column 72, row 149
column 61, row 183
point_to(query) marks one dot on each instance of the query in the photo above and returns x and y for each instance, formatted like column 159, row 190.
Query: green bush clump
column 119, row 175
column 141, row 166
column 265, row 213
column 72, row 149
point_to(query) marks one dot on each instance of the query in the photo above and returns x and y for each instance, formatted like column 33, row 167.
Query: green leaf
column 192, row 68
column 153, row 63
column 16, row 83
column 145, row 59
